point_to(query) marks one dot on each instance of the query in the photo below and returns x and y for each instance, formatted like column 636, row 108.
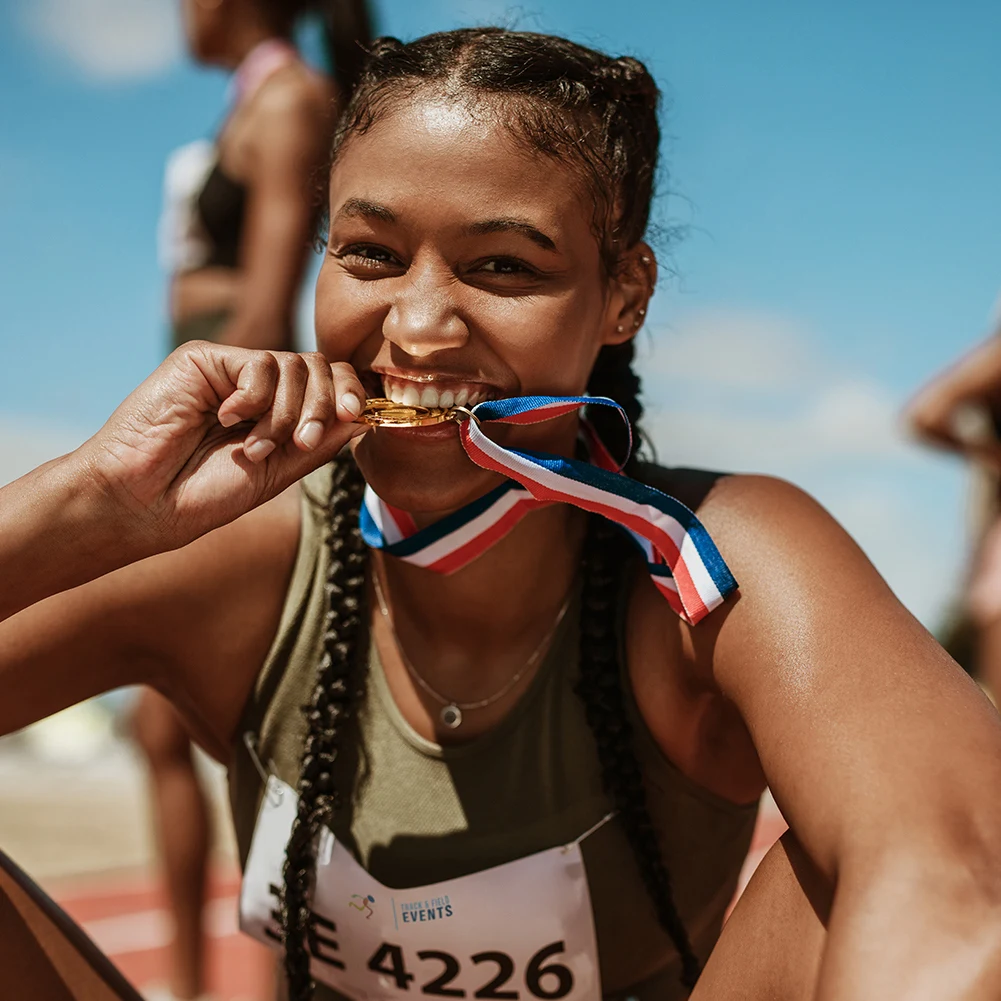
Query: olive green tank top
column 418, row 812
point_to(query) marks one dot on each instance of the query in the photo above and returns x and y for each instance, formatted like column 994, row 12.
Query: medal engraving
column 379, row 412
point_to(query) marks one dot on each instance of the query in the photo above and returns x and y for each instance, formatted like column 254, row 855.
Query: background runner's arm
column 883, row 755
column 292, row 143
column 975, row 378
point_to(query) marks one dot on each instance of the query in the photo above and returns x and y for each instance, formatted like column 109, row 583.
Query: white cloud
column 754, row 393
column 108, row 40
column 731, row 350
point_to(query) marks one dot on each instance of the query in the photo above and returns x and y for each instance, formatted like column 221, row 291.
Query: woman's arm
column 213, row 433
column 291, row 129
column 883, row 756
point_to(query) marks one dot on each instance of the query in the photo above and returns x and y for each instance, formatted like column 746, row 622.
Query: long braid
column 334, row 695
column 600, row 687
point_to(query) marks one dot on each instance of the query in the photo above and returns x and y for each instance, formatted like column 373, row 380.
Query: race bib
column 521, row 930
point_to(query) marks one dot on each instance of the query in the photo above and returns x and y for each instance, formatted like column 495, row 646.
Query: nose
column 423, row 317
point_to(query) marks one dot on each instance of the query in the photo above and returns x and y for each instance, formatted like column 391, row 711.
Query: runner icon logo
column 361, row 902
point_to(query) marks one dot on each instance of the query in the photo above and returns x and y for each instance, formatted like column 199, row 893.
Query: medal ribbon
column 683, row 562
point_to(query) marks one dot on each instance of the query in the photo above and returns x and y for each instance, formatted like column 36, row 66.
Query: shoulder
column 803, row 586
column 748, row 515
column 228, row 574
column 216, row 605
column 295, row 92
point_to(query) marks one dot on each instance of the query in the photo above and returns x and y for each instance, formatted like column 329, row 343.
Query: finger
column 256, row 382
column 319, row 408
column 348, row 391
column 277, row 425
column 334, row 395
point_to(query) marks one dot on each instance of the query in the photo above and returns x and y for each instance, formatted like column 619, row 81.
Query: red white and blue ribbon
column 682, row 559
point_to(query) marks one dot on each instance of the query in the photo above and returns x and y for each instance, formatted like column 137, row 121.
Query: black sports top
column 222, row 206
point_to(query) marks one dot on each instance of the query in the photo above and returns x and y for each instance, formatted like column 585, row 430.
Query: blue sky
column 834, row 168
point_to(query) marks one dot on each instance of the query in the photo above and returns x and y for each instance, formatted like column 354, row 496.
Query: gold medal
column 386, row 413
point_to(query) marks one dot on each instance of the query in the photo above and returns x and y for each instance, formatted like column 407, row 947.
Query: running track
column 126, row 917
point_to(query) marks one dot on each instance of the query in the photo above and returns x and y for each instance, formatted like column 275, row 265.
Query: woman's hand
column 212, row 433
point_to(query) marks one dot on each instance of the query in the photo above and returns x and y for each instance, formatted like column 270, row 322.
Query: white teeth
column 412, row 395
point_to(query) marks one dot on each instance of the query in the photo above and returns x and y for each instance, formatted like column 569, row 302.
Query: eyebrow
column 366, row 209
column 513, row 226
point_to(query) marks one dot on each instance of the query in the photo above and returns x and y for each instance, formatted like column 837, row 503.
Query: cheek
column 552, row 345
column 344, row 313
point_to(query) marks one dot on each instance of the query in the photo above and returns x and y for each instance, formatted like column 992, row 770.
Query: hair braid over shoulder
column 335, row 693
column 600, row 687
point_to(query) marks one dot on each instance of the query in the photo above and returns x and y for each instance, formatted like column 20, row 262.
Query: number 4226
column 548, row 980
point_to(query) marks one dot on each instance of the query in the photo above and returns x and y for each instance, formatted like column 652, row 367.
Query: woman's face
column 459, row 267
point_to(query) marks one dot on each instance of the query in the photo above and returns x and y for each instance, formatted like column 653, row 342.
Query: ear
column 631, row 289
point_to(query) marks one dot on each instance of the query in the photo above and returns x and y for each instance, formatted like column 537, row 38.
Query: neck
column 513, row 589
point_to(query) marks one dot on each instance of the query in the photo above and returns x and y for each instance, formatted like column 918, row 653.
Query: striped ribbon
column 682, row 559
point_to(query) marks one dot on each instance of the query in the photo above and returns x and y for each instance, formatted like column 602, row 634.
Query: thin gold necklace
column 451, row 709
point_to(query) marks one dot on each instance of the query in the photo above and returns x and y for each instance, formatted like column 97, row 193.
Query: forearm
column 259, row 331
column 56, row 531
column 914, row 930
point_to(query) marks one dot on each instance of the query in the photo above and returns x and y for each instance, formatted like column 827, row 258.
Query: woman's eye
column 366, row 255
column 505, row 266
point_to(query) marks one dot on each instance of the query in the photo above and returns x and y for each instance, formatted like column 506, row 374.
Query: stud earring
column 619, row 329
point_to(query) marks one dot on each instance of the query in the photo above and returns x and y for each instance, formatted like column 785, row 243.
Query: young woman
column 539, row 776
column 235, row 233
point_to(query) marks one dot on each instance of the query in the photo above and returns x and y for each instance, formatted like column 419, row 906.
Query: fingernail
column 258, row 450
column 311, row 434
column 351, row 404
column 228, row 420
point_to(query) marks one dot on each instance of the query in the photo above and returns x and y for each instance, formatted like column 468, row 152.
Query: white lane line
column 152, row 929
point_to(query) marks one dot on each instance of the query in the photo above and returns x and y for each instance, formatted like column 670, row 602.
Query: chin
column 421, row 470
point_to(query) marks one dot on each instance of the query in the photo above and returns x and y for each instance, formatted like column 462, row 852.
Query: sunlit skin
column 882, row 755
column 420, row 281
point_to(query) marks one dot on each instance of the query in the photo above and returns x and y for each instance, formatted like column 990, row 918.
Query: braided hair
column 597, row 116
column 335, row 692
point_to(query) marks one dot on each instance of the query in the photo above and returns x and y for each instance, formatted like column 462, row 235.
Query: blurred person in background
column 238, row 218
column 960, row 410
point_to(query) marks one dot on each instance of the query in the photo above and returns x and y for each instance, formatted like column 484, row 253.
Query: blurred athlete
column 961, row 410
column 238, row 216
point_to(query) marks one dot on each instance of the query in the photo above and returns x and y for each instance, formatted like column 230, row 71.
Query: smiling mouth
column 427, row 390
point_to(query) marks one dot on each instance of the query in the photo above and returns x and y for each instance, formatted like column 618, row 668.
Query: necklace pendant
column 451, row 716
